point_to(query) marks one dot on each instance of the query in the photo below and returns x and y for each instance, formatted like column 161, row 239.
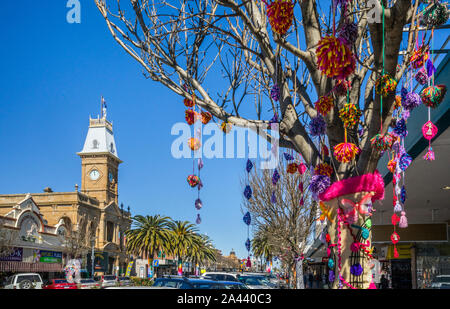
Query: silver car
column 88, row 284
column 109, row 280
column 24, row 281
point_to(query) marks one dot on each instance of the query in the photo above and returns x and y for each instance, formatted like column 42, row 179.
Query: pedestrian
column 310, row 279
column 384, row 283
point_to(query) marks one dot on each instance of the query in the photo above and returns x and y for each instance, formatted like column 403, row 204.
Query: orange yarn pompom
column 324, row 105
column 323, row 169
column 194, row 143
column 398, row 101
column 292, row 168
column 188, row 103
column 346, row 152
column 191, row 116
column 206, row 117
column 392, row 165
column 226, row 127
column 334, row 58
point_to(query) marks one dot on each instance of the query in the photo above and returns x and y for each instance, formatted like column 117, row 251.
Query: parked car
column 108, row 280
column 172, row 282
column 24, row 281
column 221, row 276
column 189, row 283
column 440, row 282
column 125, row 281
column 88, row 284
column 256, row 281
column 59, row 284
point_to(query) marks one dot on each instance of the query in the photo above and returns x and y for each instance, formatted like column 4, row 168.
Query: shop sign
column 15, row 256
column 50, row 257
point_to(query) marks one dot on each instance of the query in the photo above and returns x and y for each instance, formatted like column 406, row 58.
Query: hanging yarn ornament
column 292, row 168
column 403, row 223
column 323, row 169
column 412, row 100
column 188, row 103
column 392, row 164
column 403, row 195
column 330, row 263
column 356, row 269
column 422, row 76
column 273, row 198
column 324, row 105
column 248, row 192
column 288, row 157
column 281, row 15
column 302, row 168
column 331, row 276
column 348, row 33
column 300, row 187
column 206, row 117
column 346, row 152
column 342, row 87
column 200, row 163
column 400, row 128
column 350, row 115
column 249, row 263
column 429, row 130
column 398, row 101
column 382, row 141
column 419, row 57
column 325, row 151
column 394, row 237
column 226, row 127
column 193, row 180
column 319, row 183
column 275, row 92
column 249, row 166
column 334, row 58
column 429, row 156
column 275, row 177
column 198, row 204
column 194, row 143
column 398, row 207
column 247, row 244
column 247, row 218
column 430, row 68
column 395, row 219
column 191, row 116
column 198, row 220
column 432, row 96
column 302, row 202
column 385, row 85
column 317, row 126
column 436, row 15
column 405, row 161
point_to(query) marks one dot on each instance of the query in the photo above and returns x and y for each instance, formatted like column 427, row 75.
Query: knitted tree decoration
column 385, row 85
column 400, row 128
column 334, row 58
column 193, row 180
column 398, row 101
column 350, row 115
column 324, row 105
column 382, row 141
column 419, row 57
column 281, row 15
column 411, row 101
column 194, row 143
column 422, row 76
column 346, row 152
column 248, row 192
column 188, row 103
column 436, row 15
column 292, row 168
column 191, row 116
column 392, row 165
column 323, row 169
column 275, row 92
column 206, row 117
column 226, row 127
column 319, row 183
column 198, row 204
column 317, row 126
column 302, row 168
column 432, row 96
column 348, row 33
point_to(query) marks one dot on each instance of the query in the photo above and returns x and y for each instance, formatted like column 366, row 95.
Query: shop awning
column 6, row 266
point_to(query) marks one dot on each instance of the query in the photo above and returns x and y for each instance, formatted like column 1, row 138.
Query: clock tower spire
column 100, row 161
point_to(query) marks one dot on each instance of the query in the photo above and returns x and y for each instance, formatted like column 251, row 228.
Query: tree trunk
column 299, row 271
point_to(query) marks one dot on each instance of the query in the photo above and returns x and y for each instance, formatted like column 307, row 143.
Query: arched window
column 95, row 144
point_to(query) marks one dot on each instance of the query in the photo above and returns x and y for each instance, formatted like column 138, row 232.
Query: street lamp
column 92, row 256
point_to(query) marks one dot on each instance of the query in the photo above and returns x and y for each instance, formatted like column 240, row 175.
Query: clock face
column 94, row 174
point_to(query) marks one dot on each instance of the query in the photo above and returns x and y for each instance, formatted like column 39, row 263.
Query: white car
column 109, row 280
column 441, row 282
column 24, row 281
column 220, row 276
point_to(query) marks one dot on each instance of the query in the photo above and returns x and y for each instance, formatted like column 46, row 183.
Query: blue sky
column 53, row 74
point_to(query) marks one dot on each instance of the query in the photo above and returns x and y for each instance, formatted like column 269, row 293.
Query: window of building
column 95, row 144
column 109, row 231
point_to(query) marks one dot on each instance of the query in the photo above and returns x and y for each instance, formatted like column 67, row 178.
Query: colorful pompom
column 405, row 161
column 429, row 130
column 275, row 177
column 342, row 87
column 398, row 207
column 412, row 100
column 398, row 101
column 226, row 127
column 432, row 96
column 436, row 15
column 193, row 180
column 194, row 143
column 392, row 165
column 317, row 126
column 292, row 168
column 281, row 15
column 323, row 169
column 403, row 195
column 331, row 276
column 325, row 151
column 419, row 57
column 348, row 33
column 319, row 183
column 356, row 269
column 429, row 156
column 275, row 92
column 385, row 85
column 248, row 192
column 400, row 128
column 382, row 141
column 346, row 152
column 334, row 58
column 188, row 103
column 350, row 115
column 403, row 223
column 422, row 76
column 206, row 117
column 302, row 168
column 324, row 105
column 395, row 219
column 191, row 116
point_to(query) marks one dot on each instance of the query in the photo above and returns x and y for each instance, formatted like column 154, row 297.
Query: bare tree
column 183, row 44
column 7, row 239
column 283, row 215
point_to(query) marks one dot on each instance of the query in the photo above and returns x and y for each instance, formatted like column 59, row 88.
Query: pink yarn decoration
column 302, row 168
column 429, row 130
column 429, row 156
column 403, row 223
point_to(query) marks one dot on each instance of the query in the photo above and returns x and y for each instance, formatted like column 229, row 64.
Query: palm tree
column 149, row 235
column 261, row 245
column 202, row 252
column 183, row 236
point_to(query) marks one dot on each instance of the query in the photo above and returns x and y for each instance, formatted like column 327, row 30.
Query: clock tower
column 100, row 162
